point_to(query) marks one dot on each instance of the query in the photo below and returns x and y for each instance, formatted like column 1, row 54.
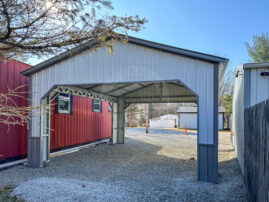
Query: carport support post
column 118, row 122
column 208, row 152
column 38, row 145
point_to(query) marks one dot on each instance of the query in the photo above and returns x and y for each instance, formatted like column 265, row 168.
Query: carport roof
column 134, row 92
column 133, row 40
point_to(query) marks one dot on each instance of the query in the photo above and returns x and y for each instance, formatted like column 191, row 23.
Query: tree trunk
column 147, row 117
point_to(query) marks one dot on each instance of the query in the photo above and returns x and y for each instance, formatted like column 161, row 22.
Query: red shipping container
column 13, row 141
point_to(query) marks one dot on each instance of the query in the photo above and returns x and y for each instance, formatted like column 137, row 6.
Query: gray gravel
column 152, row 167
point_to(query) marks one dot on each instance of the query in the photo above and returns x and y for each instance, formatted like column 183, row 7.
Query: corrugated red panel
column 82, row 126
column 13, row 142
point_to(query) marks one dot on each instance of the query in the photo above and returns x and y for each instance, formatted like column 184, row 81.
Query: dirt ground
column 160, row 166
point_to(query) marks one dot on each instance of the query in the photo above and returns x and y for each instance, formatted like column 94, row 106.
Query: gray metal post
column 34, row 142
column 120, row 122
column 38, row 147
column 207, row 168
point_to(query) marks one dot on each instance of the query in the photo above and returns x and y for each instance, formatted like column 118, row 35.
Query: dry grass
column 5, row 195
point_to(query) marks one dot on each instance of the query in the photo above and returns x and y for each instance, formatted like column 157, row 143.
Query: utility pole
column 147, row 117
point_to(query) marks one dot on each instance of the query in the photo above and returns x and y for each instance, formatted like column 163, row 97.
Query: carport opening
column 103, row 104
column 164, row 133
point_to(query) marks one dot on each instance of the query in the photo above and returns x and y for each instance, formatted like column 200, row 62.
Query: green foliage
column 227, row 101
column 132, row 112
column 259, row 51
column 5, row 195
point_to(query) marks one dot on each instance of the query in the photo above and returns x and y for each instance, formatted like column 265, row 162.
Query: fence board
column 256, row 151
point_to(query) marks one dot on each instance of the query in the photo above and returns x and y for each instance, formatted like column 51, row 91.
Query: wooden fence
column 256, row 151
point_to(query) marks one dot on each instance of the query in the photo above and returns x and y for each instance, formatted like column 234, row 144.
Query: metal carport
column 139, row 71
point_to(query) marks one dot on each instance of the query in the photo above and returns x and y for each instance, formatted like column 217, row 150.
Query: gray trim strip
column 208, row 163
column 216, row 103
column 247, row 86
column 34, row 152
column 137, row 41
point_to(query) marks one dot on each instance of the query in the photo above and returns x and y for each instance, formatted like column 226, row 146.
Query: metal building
column 251, row 87
column 187, row 117
column 138, row 72
column 165, row 121
column 13, row 139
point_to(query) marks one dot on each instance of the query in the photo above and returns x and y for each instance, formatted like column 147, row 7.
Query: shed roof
column 137, row 41
column 183, row 109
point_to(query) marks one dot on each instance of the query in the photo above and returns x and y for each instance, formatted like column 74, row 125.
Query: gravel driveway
column 148, row 167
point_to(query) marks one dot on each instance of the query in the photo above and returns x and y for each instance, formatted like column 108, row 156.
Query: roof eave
column 256, row 65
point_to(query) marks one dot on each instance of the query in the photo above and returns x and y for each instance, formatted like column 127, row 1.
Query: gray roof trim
column 256, row 65
column 142, row 42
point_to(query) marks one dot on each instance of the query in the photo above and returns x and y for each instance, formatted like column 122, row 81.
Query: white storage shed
column 187, row 116
column 165, row 121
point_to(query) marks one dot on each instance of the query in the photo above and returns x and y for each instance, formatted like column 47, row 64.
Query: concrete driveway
column 148, row 167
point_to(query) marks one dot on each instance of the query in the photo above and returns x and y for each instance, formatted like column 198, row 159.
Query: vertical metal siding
column 13, row 143
column 259, row 86
column 82, row 126
column 238, row 116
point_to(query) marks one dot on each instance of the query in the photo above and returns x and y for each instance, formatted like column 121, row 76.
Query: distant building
column 187, row 116
column 165, row 121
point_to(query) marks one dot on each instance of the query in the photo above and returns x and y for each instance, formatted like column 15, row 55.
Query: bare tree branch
column 10, row 113
column 45, row 28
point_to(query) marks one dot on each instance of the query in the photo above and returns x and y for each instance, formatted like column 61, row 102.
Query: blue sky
column 218, row 27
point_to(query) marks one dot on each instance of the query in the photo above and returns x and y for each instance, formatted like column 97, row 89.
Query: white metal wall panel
column 238, row 118
column 132, row 63
column 189, row 119
column 259, row 86
column 162, row 123
column 165, row 121
column 220, row 121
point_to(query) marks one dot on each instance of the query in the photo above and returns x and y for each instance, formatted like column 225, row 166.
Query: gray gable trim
column 133, row 40
column 256, row 65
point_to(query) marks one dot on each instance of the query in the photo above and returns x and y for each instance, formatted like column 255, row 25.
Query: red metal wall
column 13, row 143
column 82, row 126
